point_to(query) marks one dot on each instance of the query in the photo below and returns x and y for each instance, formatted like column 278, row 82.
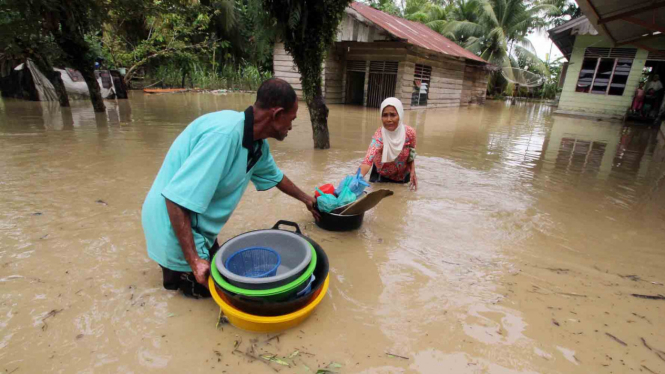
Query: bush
column 202, row 76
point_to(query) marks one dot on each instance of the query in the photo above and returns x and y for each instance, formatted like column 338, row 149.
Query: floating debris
column 616, row 339
column 650, row 297
column 221, row 320
column 396, row 356
column 50, row 314
column 649, row 370
column 658, row 352
column 275, row 359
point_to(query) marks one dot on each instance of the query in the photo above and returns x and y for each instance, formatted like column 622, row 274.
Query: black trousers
column 186, row 281
column 375, row 177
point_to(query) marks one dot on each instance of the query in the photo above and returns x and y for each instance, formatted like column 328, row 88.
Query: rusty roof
column 413, row 32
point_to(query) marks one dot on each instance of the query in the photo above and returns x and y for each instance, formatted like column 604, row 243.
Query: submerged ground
column 520, row 252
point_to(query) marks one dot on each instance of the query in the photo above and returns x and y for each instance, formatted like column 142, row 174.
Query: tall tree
column 499, row 31
column 22, row 37
column 175, row 30
column 69, row 22
column 565, row 11
column 387, row 6
column 431, row 14
column 308, row 29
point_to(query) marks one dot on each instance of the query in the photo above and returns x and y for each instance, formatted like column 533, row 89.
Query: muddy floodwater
column 519, row 253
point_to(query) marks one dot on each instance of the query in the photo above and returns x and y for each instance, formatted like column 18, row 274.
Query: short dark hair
column 274, row 93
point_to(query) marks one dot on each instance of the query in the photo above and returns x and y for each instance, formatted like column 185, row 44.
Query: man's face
column 283, row 122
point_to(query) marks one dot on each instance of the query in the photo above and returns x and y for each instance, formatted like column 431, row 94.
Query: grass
column 245, row 77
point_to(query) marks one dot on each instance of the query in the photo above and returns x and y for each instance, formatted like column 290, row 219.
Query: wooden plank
column 290, row 80
column 282, row 58
column 435, row 97
column 373, row 57
column 284, row 63
column 287, row 73
column 333, row 83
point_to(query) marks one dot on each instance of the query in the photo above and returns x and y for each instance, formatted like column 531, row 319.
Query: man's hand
column 311, row 203
column 182, row 228
column 201, row 270
column 292, row 190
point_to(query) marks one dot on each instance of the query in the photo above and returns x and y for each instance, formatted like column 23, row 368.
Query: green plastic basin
column 271, row 293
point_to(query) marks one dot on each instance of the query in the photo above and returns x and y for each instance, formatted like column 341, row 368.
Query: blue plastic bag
column 326, row 202
column 346, row 197
column 355, row 183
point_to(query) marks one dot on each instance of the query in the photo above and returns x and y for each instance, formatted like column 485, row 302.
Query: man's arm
column 182, row 227
column 292, row 190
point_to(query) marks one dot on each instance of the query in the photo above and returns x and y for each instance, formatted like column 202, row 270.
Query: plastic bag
column 346, row 197
column 355, row 183
column 326, row 202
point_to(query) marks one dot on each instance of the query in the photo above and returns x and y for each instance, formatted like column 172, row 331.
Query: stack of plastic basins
column 269, row 280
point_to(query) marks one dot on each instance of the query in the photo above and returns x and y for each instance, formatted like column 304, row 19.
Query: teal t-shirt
column 204, row 171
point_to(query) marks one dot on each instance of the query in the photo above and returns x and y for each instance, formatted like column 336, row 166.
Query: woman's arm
column 375, row 147
column 364, row 169
column 414, row 179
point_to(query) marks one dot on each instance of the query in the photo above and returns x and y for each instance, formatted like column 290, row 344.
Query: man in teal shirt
column 203, row 177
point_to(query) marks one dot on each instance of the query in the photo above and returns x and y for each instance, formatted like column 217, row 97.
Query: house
column 610, row 50
column 377, row 55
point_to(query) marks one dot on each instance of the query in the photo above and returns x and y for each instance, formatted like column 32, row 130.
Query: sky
column 541, row 42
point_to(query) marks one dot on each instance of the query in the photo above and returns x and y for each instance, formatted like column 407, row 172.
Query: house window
column 605, row 70
column 421, row 85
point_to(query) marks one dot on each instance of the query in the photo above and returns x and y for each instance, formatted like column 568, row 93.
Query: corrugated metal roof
column 413, row 32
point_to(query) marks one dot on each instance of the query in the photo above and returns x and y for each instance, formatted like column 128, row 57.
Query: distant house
column 604, row 68
column 377, row 55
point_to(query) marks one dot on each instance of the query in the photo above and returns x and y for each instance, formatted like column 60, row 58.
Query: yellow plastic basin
column 255, row 323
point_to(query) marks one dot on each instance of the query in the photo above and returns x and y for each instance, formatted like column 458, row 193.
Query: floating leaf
column 324, row 371
column 294, row 354
column 335, row 365
column 274, row 359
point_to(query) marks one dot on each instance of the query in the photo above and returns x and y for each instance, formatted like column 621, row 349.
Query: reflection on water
column 522, row 219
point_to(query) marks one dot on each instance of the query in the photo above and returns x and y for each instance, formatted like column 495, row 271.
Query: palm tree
column 432, row 15
column 497, row 30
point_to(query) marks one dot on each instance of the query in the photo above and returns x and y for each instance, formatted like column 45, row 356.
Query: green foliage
column 201, row 75
column 22, row 34
column 426, row 12
column 496, row 30
column 565, row 11
column 308, row 29
column 552, row 75
column 257, row 34
column 500, row 29
column 387, row 6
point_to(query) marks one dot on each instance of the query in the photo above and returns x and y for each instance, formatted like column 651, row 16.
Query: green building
column 605, row 67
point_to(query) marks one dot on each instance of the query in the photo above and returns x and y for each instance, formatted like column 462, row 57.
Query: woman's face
column 390, row 118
